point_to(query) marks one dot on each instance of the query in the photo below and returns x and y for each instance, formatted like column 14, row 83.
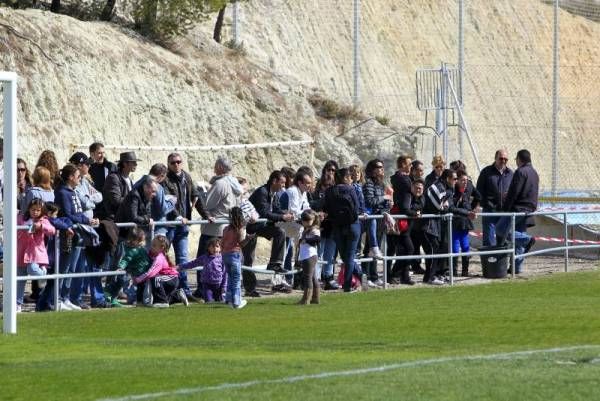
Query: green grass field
column 428, row 343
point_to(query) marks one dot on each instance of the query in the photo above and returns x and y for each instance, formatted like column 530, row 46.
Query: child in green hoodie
column 136, row 261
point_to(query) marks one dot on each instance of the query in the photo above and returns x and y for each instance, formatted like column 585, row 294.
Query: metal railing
column 566, row 246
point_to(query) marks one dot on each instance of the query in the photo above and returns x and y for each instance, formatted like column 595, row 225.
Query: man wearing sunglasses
column 179, row 184
column 492, row 184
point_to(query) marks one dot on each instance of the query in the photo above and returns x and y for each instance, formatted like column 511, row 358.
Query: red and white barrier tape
column 568, row 208
column 479, row 234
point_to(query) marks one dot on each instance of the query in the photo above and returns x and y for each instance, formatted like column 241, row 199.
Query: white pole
column 10, row 203
column 356, row 55
column 555, row 101
column 461, row 71
column 236, row 22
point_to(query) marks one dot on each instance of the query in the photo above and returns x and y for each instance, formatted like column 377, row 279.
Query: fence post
column 9, row 321
column 385, row 261
column 450, row 258
column 56, row 268
column 461, row 71
column 513, row 257
column 356, row 55
column 236, row 22
column 555, row 100
column 566, row 234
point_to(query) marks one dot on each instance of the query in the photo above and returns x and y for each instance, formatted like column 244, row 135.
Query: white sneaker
column 183, row 297
column 379, row 282
column 70, row 305
column 160, row 305
column 63, row 306
column 436, row 281
column 375, row 252
column 243, row 303
column 19, row 309
column 372, row 284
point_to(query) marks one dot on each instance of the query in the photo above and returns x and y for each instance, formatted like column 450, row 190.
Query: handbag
column 395, row 226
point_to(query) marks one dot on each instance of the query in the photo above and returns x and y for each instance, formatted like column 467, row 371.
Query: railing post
column 450, row 258
column 566, row 234
column 384, row 252
column 56, row 271
column 513, row 234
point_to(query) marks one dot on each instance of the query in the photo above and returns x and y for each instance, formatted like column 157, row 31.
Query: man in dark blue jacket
column 522, row 197
column 492, row 184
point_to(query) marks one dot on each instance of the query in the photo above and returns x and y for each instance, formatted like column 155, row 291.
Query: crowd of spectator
column 309, row 220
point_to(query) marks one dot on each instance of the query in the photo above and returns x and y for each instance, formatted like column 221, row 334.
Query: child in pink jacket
column 32, row 255
column 163, row 277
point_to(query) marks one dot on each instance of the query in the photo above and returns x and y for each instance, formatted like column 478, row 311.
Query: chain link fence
column 508, row 70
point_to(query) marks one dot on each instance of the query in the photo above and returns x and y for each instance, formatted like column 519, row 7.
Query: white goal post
column 8, row 80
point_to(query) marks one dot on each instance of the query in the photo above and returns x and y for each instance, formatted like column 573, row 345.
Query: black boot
column 405, row 276
column 465, row 266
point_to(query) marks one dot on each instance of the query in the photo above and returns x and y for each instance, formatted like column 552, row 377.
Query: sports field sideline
column 536, row 339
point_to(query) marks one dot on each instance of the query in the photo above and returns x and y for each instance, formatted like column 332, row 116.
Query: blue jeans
column 327, row 252
column 488, row 227
column 233, row 267
column 179, row 239
column 371, row 226
column 460, row 241
column 33, row 269
column 503, row 229
column 346, row 239
column 77, row 288
column 68, row 264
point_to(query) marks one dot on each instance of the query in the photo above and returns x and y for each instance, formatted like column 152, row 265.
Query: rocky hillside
column 103, row 82
column 87, row 81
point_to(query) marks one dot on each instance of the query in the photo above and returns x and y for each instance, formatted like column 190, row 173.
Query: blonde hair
column 164, row 245
column 438, row 160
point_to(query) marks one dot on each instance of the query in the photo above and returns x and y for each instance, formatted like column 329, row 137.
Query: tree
column 55, row 6
column 107, row 11
column 165, row 19
column 219, row 25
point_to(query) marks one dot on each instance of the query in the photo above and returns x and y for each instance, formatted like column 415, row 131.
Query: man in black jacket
column 179, row 184
column 118, row 184
column 266, row 202
column 136, row 207
column 99, row 170
column 492, row 184
column 522, row 197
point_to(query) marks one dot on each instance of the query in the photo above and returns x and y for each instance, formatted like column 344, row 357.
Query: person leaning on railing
column 439, row 200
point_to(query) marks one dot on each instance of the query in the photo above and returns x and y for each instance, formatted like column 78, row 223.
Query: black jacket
column 180, row 186
column 99, row 172
column 114, row 192
column 493, row 186
column 266, row 205
column 467, row 200
column 440, row 200
column 331, row 195
column 134, row 209
column 402, row 196
column 431, row 179
column 523, row 192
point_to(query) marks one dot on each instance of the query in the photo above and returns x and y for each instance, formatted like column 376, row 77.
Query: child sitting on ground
column 32, row 255
column 213, row 276
column 163, row 278
column 136, row 261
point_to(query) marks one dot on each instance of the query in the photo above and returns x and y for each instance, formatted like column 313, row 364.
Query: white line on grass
column 325, row 375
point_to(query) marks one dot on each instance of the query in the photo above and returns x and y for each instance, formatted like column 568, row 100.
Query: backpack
column 343, row 211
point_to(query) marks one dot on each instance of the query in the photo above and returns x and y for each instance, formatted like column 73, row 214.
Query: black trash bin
column 495, row 266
